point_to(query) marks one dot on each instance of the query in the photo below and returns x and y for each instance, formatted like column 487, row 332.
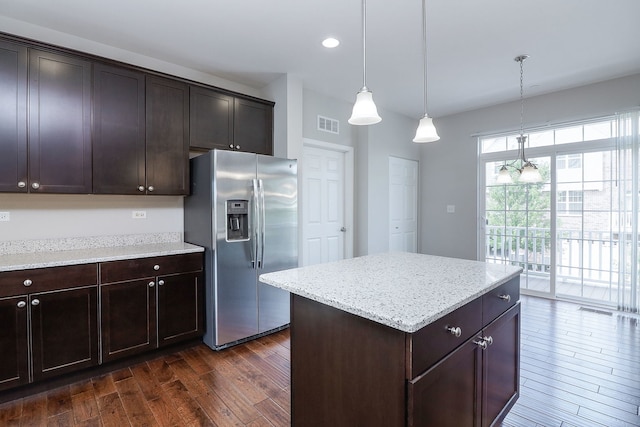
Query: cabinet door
column 253, row 127
column 167, row 136
column 501, row 366
column 13, row 342
column 59, row 123
column 180, row 307
column 449, row 394
column 13, row 117
column 64, row 331
column 128, row 318
column 210, row 119
column 118, row 131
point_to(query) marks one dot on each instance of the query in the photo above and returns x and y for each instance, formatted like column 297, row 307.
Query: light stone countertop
column 24, row 261
column 405, row 291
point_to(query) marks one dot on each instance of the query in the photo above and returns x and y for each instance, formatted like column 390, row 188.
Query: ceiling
column 471, row 43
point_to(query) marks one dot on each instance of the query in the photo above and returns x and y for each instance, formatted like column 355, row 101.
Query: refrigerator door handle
column 262, row 223
column 254, row 225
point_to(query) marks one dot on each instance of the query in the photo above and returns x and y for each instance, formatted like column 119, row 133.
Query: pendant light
column 426, row 131
column 529, row 172
column 364, row 110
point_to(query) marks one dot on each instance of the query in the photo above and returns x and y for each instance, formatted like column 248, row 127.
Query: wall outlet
column 5, row 216
column 451, row 208
column 139, row 214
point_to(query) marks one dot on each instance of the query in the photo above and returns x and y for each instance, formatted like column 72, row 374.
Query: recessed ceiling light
column 330, row 42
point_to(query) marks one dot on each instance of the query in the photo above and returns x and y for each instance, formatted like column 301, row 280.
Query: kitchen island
column 403, row 339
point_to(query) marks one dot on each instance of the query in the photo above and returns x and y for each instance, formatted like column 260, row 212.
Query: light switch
column 451, row 208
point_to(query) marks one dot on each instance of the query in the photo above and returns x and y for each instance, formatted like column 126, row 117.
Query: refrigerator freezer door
column 235, row 284
column 279, row 235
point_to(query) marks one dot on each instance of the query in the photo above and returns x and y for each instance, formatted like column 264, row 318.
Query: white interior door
column 403, row 205
column 323, row 205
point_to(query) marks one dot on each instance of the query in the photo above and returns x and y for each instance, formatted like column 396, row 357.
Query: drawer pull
column 141, row 188
column 488, row 340
column 455, row 331
column 22, row 184
column 35, row 185
column 22, row 304
column 156, row 267
column 152, row 284
column 160, row 282
column 27, row 282
column 481, row 343
column 506, row 297
column 35, row 302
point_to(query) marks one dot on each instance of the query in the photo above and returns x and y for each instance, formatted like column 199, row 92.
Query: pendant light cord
column 364, row 44
column 424, row 50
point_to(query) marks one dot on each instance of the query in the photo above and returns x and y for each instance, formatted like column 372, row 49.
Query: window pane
column 570, row 134
column 493, row 145
column 600, row 130
column 541, row 139
column 512, row 142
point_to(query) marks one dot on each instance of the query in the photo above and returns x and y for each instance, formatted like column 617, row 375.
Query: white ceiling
column 471, row 43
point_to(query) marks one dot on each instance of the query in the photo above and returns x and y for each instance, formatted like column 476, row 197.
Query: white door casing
column 403, row 205
column 326, row 200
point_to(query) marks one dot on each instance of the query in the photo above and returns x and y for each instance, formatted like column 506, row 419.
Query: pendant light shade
column 426, row 131
column 504, row 177
column 364, row 110
column 530, row 173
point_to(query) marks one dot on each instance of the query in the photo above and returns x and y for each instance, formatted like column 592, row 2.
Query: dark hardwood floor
column 579, row 368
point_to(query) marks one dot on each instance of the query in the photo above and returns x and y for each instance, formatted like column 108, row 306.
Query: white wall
column 46, row 216
column 449, row 166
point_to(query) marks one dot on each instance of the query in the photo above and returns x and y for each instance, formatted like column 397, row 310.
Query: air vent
column 328, row 125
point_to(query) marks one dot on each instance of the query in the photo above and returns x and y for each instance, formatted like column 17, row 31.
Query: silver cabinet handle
column 152, row 284
column 35, row 185
column 141, row 188
column 35, row 302
column 22, row 184
column 27, row 282
column 160, row 282
column 506, row 297
column 150, row 188
column 230, row 145
column 156, row 267
column 488, row 340
column 22, row 304
column 481, row 343
column 237, row 147
column 455, row 331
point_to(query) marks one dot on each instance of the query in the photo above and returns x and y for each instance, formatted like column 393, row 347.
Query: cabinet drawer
column 500, row 299
column 118, row 271
column 434, row 341
column 47, row 279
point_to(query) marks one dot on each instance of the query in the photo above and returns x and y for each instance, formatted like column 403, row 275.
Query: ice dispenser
column 237, row 220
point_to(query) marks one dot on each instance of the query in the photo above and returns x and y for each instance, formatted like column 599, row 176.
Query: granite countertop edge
column 26, row 261
column 411, row 323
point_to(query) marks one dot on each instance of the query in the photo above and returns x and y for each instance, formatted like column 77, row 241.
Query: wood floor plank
column 187, row 407
column 239, row 404
column 112, row 411
column 85, row 406
column 253, row 393
column 34, row 410
column 59, row 401
column 275, row 414
column 146, row 381
column 10, row 411
column 164, row 412
column 63, row 419
column 134, row 403
column 103, row 385
column 162, row 371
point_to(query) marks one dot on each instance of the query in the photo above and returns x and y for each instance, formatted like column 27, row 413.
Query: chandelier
column 528, row 172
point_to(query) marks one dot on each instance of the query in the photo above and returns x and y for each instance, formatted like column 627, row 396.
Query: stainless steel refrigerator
column 243, row 209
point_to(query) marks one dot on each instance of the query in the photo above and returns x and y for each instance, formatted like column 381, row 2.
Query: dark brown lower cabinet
column 180, row 307
column 13, row 342
column 471, row 386
column 64, row 331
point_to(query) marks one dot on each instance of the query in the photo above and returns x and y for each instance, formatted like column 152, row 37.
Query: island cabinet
column 459, row 370
column 49, row 323
column 150, row 302
column 226, row 122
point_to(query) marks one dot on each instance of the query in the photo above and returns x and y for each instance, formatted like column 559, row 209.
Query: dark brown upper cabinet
column 59, row 123
column 253, row 126
column 210, row 119
column 167, row 136
column 118, row 130
column 13, row 117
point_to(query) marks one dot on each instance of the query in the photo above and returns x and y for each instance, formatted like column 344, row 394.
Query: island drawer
column 500, row 299
column 137, row 268
column 20, row 282
column 431, row 343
